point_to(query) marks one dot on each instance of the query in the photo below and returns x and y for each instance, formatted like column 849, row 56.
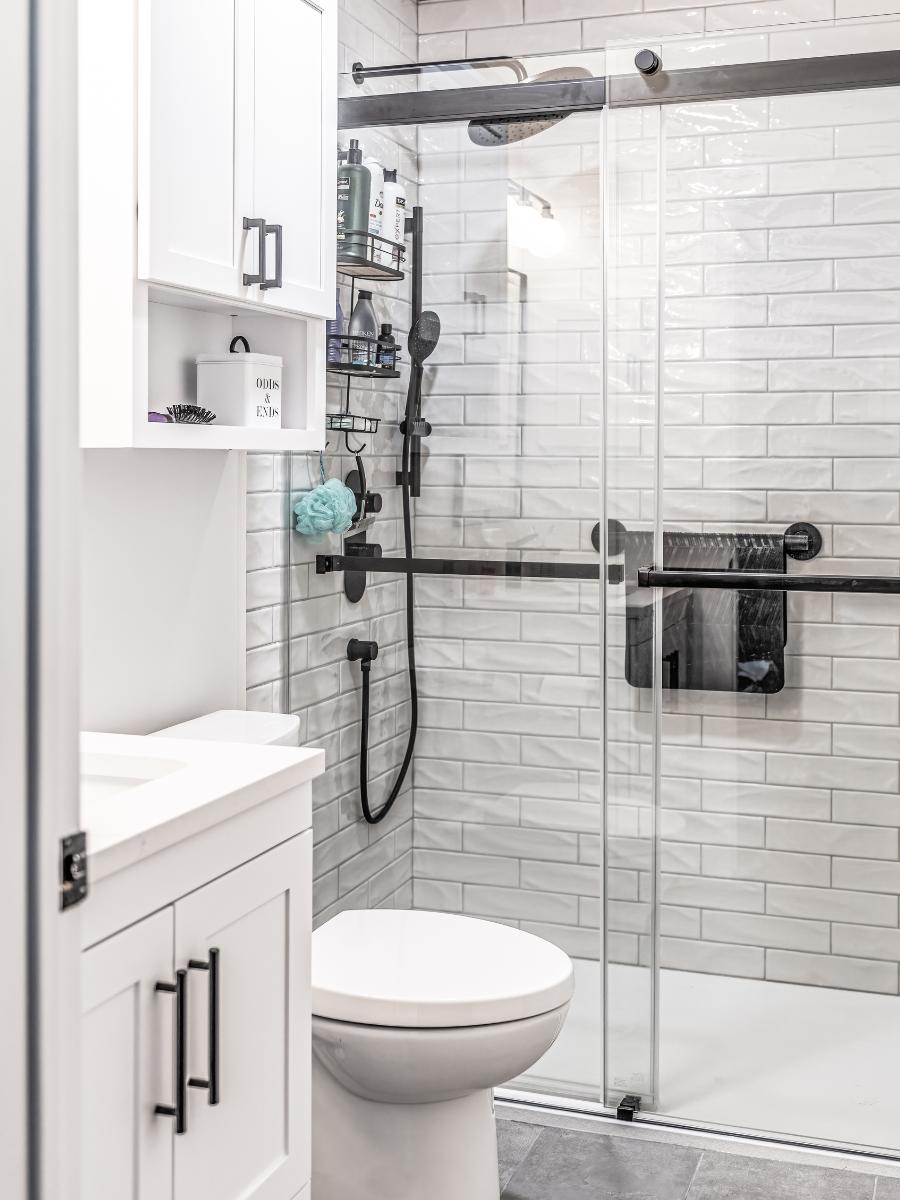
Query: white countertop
column 140, row 795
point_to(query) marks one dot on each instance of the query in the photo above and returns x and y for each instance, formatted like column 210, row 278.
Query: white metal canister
column 241, row 389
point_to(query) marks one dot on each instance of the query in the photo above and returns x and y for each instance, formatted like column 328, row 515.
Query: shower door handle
column 767, row 581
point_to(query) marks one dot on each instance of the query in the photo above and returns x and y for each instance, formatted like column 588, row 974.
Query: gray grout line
column 690, row 1186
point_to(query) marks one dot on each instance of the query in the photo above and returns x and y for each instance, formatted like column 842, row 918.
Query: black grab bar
column 767, row 581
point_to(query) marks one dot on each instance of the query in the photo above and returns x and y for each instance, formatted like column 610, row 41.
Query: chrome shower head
column 503, row 131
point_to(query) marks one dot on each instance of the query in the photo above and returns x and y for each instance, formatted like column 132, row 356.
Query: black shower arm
column 361, row 73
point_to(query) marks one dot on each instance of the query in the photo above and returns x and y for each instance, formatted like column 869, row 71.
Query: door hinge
column 73, row 869
column 628, row 1106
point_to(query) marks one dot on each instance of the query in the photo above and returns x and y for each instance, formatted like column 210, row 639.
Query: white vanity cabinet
column 236, row 143
column 126, row 1034
column 255, row 1141
column 245, row 1027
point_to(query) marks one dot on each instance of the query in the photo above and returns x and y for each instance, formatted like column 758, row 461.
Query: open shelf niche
column 170, row 330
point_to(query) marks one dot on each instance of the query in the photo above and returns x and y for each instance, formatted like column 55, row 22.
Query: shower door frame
column 845, row 72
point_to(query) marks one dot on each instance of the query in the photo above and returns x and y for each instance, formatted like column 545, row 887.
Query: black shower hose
column 415, row 382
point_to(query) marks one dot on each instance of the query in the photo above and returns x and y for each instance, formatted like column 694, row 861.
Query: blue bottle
column 335, row 330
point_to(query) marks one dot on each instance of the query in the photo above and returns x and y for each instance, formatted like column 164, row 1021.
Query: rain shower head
column 503, row 131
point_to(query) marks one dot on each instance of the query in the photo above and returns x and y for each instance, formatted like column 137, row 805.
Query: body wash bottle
column 376, row 204
column 354, row 186
column 393, row 225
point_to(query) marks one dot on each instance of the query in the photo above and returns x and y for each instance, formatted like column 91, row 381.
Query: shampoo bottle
column 354, row 186
column 363, row 331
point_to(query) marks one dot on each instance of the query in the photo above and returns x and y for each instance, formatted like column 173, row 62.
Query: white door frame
column 39, row 1008
column 13, row 319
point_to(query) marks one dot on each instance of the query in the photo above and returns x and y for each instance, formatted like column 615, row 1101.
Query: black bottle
column 387, row 349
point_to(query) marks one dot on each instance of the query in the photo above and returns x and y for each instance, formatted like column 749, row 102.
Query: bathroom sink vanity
column 195, row 969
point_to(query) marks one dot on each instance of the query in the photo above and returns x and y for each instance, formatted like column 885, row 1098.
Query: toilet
column 417, row 1016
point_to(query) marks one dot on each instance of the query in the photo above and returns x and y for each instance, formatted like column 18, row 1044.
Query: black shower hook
column 348, row 447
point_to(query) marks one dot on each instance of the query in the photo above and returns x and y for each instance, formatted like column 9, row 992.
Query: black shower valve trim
column 362, row 652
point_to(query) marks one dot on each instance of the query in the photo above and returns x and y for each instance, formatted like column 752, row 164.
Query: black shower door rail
column 647, row 577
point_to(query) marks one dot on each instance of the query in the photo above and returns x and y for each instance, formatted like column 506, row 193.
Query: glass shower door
column 764, row 725
column 508, row 768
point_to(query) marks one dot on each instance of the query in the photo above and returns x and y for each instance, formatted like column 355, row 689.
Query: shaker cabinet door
column 255, row 1141
column 294, row 139
column 127, row 1058
column 193, row 154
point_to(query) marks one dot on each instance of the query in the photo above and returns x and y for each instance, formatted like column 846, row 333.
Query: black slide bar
column 495, row 568
column 767, row 581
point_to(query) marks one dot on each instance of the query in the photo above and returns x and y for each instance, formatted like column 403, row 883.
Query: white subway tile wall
column 355, row 865
column 780, row 388
column 781, row 397
column 785, row 808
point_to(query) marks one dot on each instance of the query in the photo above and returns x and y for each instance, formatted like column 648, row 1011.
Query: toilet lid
column 433, row 970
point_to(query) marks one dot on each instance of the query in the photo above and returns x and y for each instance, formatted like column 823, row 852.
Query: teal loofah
column 328, row 508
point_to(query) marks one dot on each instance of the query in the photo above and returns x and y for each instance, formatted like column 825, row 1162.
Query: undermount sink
column 107, row 775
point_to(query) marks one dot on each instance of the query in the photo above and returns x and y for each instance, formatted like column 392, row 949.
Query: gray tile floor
column 547, row 1163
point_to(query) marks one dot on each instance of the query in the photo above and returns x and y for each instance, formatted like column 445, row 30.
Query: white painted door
column 194, row 143
column 294, row 140
column 255, row 1141
column 127, row 1063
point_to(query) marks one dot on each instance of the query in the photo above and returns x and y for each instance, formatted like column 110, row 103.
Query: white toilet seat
column 420, row 970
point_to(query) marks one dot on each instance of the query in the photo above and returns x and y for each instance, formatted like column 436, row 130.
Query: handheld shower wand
column 423, row 339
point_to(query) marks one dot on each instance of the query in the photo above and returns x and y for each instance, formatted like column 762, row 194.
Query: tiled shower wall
column 355, row 865
column 767, row 876
column 782, row 385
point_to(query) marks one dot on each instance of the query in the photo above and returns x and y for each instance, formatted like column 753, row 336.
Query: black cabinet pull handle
column 259, row 224
column 265, row 284
column 178, row 1110
column 767, row 581
column 211, row 1083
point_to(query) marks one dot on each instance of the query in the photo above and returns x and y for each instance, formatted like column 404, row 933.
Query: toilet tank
column 234, row 725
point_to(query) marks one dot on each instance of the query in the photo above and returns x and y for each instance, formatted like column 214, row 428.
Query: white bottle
column 393, row 226
column 376, row 202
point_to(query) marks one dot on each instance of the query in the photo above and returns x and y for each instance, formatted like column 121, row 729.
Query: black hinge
column 73, row 870
column 628, row 1106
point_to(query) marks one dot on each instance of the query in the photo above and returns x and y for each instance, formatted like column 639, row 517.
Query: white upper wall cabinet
column 193, row 186
column 237, row 124
column 198, row 118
